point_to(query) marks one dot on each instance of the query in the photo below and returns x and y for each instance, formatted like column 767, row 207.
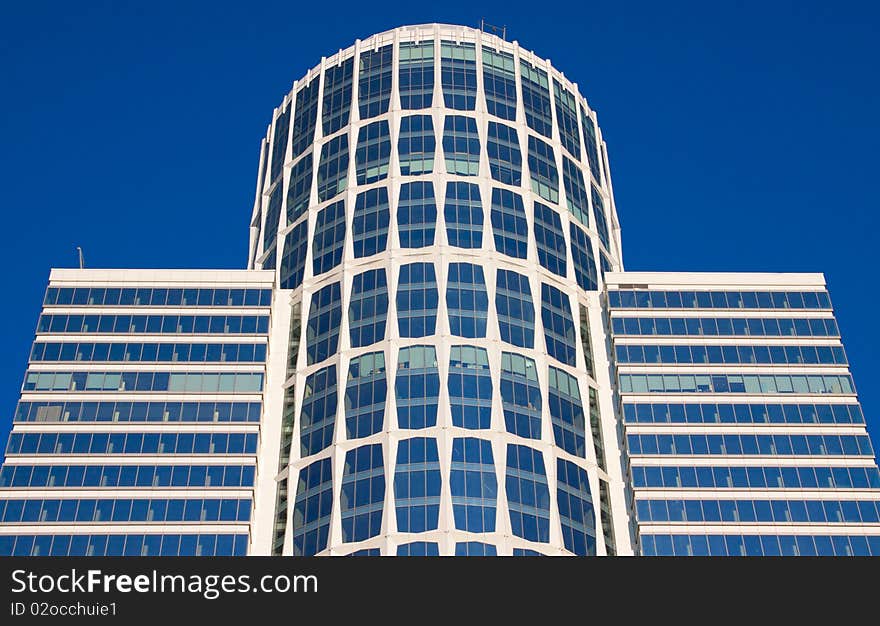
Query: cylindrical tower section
column 437, row 206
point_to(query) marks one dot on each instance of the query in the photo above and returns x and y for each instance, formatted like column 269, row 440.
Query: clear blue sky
column 743, row 136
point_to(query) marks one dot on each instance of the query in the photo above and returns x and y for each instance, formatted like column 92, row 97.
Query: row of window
column 154, row 324
column 132, row 443
column 417, row 391
column 734, row 383
column 760, row 545
column 751, row 445
column 417, row 487
column 416, row 217
column 173, row 382
column 150, row 352
column 726, row 326
column 762, row 511
column 207, row 544
column 155, row 296
column 711, row 413
column 125, row 476
column 430, row 548
column 417, row 299
column 756, row 477
column 125, row 510
column 209, row 412
column 461, row 150
column 730, row 355
column 644, row 299
column 458, row 72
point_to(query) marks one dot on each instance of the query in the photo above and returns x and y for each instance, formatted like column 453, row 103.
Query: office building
column 435, row 350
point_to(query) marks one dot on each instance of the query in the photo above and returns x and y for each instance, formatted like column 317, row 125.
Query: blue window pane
column 516, row 313
column 365, row 393
column 312, row 508
column 591, row 143
column 528, row 496
column 509, row 223
column 370, row 222
column 374, row 81
column 536, row 99
column 566, row 116
column 416, row 214
column 333, row 168
column 419, row 548
column 473, row 485
column 552, row 253
column 337, row 96
column 599, row 215
column 305, row 118
column 499, row 83
column 575, row 508
column 525, row 552
column 520, row 395
column 567, row 412
column 463, row 212
column 270, row 230
column 475, row 548
column 417, row 485
column 318, row 414
column 299, row 188
column 466, row 300
column 279, row 143
column 417, row 300
column 363, row 493
column 325, row 317
column 416, row 74
column 505, row 157
column 470, row 387
column 458, row 75
column 461, row 145
column 417, row 387
column 575, row 191
column 329, row 239
column 373, row 152
column 368, row 308
column 583, row 259
column 542, row 170
column 558, row 325
column 416, row 145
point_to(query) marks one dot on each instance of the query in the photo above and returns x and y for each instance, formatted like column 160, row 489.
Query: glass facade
column 763, row 454
column 435, row 352
column 139, row 418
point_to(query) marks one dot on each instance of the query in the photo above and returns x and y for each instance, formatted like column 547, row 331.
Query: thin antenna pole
column 82, row 262
column 494, row 30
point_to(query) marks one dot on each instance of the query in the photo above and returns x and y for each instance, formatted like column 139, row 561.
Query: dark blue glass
column 417, row 485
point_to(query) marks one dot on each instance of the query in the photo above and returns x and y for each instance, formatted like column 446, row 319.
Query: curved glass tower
column 436, row 204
